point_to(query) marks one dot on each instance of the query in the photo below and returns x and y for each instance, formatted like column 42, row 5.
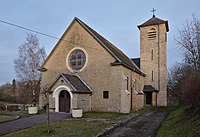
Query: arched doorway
column 64, row 101
column 56, row 95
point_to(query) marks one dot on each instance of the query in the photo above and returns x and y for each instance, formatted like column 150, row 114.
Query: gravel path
column 23, row 123
column 141, row 126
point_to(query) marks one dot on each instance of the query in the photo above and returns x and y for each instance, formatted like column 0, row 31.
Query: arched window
column 152, row 33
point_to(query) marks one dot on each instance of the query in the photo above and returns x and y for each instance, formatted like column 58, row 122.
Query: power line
column 44, row 34
column 24, row 28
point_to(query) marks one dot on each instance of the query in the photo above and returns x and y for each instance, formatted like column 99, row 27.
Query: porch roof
column 76, row 83
column 149, row 88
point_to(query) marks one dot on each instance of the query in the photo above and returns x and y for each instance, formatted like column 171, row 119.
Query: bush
column 2, row 106
column 12, row 108
column 191, row 92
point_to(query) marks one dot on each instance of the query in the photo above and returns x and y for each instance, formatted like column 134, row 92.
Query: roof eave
column 165, row 22
column 129, row 67
column 84, row 83
column 150, row 91
column 83, row 92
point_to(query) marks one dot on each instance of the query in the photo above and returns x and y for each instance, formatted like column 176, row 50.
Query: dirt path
column 141, row 126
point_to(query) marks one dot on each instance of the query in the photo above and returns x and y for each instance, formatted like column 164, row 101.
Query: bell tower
column 153, row 60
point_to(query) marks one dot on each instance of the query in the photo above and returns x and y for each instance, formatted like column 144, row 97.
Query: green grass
column 14, row 113
column 163, row 109
column 41, row 111
column 94, row 114
column 178, row 124
column 22, row 113
column 71, row 128
column 4, row 118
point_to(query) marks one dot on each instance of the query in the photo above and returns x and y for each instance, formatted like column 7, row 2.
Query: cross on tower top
column 153, row 11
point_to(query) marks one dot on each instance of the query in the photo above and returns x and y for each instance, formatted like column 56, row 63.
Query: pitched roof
column 149, row 88
column 136, row 61
column 121, row 58
column 75, row 82
column 154, row 21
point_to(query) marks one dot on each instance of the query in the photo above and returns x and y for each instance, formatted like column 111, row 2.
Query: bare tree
column 189, row 40
column 176, row 74
column 184, row 78
column 30, row 59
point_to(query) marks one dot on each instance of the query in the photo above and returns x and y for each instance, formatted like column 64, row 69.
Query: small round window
column 77, row 59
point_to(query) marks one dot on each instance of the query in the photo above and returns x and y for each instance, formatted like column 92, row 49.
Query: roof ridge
column 88, row 28
column 116, row 52
column 154, row 21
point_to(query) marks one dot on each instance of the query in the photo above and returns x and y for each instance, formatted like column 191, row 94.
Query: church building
column 84, row 70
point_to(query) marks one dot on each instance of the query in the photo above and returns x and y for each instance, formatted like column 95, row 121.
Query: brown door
column 148, row 98
column 64, row 101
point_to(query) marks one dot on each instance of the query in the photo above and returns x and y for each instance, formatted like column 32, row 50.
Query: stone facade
column 99, row 74
column 153, row 39
column 103, row 71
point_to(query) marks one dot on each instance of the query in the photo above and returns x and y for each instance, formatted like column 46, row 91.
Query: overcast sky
column 116, row 20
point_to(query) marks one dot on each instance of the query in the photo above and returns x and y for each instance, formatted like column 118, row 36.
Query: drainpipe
column 158, row 61
column 156, row 99
column 131, row 90
column 90, row 102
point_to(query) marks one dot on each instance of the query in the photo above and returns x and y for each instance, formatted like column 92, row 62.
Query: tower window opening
column 152, row 33
column 152, row 54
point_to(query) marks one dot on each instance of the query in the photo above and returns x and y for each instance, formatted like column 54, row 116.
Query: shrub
column 2, row 106
column 191, row 91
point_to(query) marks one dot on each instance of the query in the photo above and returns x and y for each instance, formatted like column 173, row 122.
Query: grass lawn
column 22, row 113
column 177, row 124
column 71, row 128
column 6, row 118
column 94, row 114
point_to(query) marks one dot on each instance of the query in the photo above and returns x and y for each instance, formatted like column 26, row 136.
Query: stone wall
column 135, row 86
column 82, row 101
column 139, row 101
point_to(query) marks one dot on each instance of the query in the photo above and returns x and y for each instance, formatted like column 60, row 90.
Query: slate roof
column 154, row 21
column 149, row 88
column 75, row 82
column 121, row 58
column 136, row 61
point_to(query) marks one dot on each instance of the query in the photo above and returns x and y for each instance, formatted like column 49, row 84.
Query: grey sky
column 116, row 20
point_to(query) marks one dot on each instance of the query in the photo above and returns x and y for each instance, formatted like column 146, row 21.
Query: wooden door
column 64, row 101
column 148, row 98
